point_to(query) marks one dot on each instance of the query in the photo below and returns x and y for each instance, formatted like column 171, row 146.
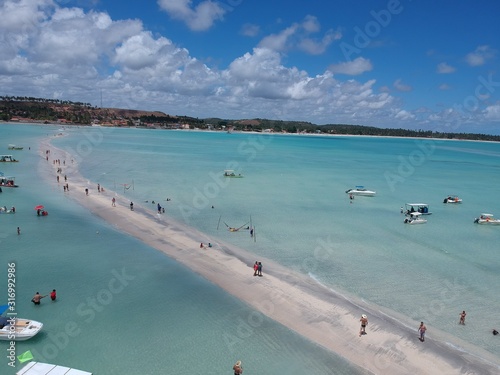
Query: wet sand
column 290, row 298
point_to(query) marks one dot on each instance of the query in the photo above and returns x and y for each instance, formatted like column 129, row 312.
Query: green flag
column 26, row 356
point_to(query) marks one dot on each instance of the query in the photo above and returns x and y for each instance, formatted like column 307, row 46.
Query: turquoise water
column 123, row 307
column 293, row 193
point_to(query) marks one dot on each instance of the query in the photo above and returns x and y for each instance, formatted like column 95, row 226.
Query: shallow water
column 123, row 307
column 293, row 193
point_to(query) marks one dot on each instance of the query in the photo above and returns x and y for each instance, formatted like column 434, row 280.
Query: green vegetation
column 29, row 109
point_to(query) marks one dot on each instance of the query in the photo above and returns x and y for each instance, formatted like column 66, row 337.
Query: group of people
column 257, row 268
column 421, row 329
column 37, row 298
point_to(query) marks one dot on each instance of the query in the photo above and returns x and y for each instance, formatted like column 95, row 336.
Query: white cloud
column 249, row 29
column 198, row 18
column 278, row 42
column 315, row 47
column 492, row 112
column 480, row 56
column 72, row 54
column 444, row 68
column 355, row 67
column 404, row 115
column 400, row 86
column 444, row 87
column 299, row 36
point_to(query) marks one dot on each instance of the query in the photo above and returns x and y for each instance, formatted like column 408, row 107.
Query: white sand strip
column 290, row 298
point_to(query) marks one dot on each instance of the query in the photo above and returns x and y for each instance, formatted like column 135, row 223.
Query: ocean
column 125, row 308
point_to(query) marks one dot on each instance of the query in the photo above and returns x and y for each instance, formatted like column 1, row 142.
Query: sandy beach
column 290, row 298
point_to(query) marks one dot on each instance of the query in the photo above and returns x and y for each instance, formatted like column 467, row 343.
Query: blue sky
column 430, row 65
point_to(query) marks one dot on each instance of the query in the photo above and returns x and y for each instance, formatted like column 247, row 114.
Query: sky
column 430, row 65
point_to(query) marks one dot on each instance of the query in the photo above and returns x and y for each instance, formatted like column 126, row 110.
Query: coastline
column 291, row 299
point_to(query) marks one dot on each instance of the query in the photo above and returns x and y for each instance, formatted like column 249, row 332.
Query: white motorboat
column 452, row 199
column 487, row 219
column 422, row 208
column 17, row 329
column 39, row 368
column 415, row 218
column 360, row 190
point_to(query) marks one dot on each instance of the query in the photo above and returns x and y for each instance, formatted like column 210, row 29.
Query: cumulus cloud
column 492, row 112
column 355, row 67
column 199, row 18
column 480, row 56
column 400, row 86
column 54, row 51
column 299, row 36
column 444, row 68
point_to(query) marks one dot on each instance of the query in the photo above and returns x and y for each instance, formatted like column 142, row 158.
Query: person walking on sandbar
column 421, row 330
column 364, row 323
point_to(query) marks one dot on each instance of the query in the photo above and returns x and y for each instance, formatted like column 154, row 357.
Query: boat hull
column 487, row 222
column 22, row 330
column 415, row 221
column 367, row 193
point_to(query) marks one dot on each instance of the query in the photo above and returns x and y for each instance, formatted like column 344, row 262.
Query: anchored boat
column 39, row 368
column 452, row 199
column 422, row 208
column 360, row 190
column 487, row 219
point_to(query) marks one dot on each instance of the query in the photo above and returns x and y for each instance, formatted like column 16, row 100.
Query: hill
column 28, row 109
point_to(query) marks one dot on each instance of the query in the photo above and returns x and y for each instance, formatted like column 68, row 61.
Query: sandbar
column 288, row 297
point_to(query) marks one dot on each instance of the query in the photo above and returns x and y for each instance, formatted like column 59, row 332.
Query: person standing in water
column 462, row 318
column 238, row 368
column 53, row 295
column 37, row 298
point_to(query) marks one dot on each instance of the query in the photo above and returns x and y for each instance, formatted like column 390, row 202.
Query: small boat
column 487, row 219
column 7, row 159
column 230, row 173
column 39, row 368
column 17, row 329
column 415, row 218
column 422, row 208
column 360, row 190
column 6, row 181
column 452, row 199
column 5, row 210
column 14, row 147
